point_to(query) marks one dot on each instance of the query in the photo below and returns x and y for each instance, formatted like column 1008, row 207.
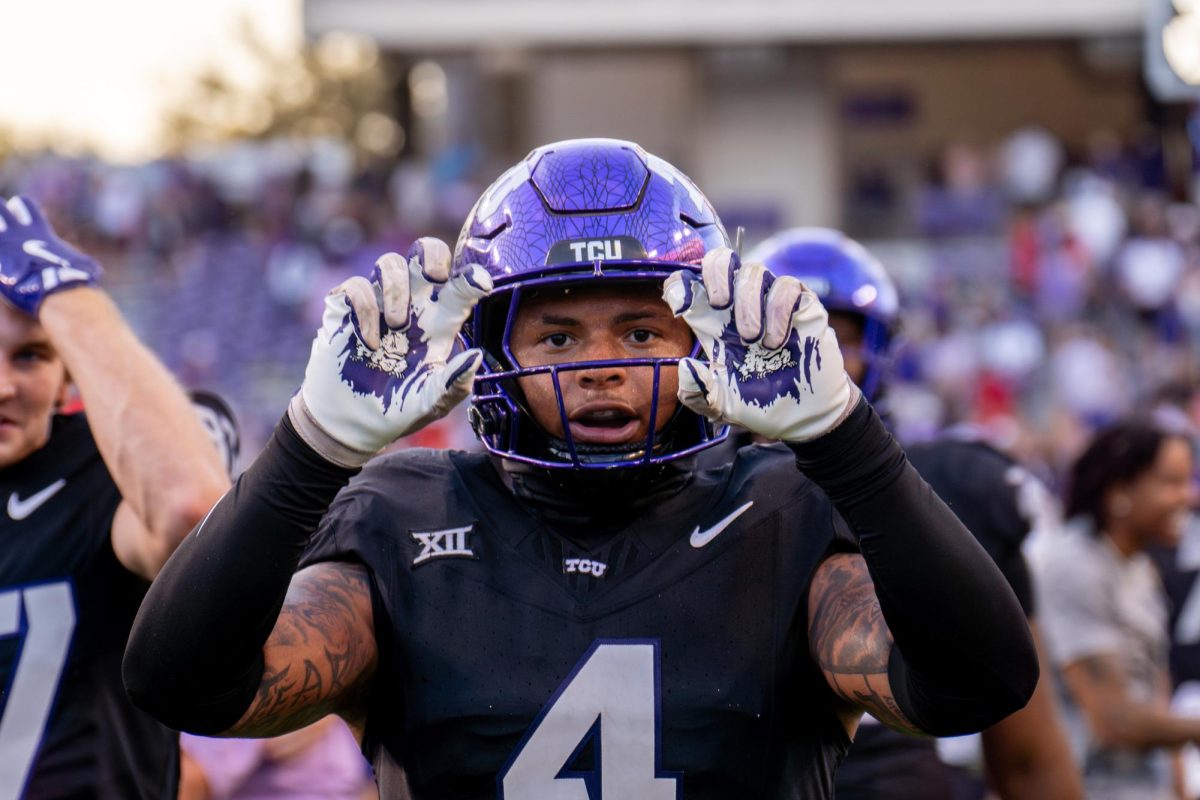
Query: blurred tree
column 338, row 86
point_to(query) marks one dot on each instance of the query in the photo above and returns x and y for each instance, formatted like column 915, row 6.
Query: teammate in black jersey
column 1026, row 755
column 580, row 613
column 93, row 506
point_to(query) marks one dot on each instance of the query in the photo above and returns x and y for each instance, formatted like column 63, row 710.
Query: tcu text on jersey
column 584, row 565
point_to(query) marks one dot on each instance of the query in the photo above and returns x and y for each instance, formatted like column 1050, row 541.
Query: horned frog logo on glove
column 390, row 355
column 364, row 365
column 773, row 365
column 759, row 363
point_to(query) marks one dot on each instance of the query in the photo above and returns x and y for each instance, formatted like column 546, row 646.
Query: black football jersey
column 983, row 487
column 1179, row 568
column 66, row 606
column 667, row 660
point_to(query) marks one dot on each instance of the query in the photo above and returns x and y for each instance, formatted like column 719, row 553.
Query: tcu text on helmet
column 609, row 248
column 596, row 250
column 586, row 566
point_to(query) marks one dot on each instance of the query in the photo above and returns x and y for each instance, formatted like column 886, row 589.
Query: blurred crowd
column 1045, row 291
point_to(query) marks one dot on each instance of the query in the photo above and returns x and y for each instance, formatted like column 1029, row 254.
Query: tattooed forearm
column 321, row 654
column 883, row 707
column 850, row 640
column 848, row 633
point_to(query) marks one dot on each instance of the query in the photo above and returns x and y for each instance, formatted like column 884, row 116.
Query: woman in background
column 1104, row 611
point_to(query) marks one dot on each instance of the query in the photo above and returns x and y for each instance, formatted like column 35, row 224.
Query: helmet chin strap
column 631, row 451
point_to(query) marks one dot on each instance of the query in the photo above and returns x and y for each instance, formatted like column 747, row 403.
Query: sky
column 101, row 72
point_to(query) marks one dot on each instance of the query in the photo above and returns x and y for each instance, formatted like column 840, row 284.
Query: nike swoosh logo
column 20, row 509
column 38, row 249
column 701, row 538
column 200, row 527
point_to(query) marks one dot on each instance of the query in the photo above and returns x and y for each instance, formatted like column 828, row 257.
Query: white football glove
column 774, row 366
column 375, row 374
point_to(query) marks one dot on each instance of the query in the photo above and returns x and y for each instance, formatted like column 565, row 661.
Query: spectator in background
column 1150, row 265
column 1104, row 614
column 320, row 762
column 1094, row 216
column 1064, row 269
column 1088, row 377
column 1029, row 163
column 95, row 505
column 960, row 197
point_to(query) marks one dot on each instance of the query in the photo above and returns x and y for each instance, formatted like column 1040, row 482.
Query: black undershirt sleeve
column 194, row 659
column 963, row 657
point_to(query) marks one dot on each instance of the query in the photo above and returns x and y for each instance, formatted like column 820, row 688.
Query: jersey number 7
column 47, row 626
column 610, row 699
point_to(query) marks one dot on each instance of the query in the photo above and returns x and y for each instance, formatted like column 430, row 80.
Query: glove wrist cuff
column 852, row 399
column 319, row 439
column 828, row 423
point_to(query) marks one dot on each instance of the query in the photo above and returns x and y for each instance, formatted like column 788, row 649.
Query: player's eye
column 29, row 355
column 642, row 336
column 556, row 340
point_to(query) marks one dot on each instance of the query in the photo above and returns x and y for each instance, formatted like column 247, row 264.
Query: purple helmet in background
column 579, row 211
column 848, row 279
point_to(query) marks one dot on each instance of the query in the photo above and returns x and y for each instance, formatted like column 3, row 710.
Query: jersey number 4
column 46, row 625
column 611, row 701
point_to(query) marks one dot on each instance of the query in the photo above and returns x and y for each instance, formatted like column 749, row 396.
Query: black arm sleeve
column 963, row 657
column 194, row 659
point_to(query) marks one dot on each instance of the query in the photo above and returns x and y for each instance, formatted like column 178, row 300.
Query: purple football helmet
column 584, row 211
column 848, row 279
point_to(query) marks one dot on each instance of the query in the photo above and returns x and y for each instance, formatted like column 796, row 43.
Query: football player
column 578, row 612
column 94, row 504
column 220, row 424
column 1028, row 754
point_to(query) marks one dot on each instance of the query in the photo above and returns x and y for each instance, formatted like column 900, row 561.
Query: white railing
column 430, row 25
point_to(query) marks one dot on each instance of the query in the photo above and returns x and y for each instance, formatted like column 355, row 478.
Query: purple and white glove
column 773, row 366
column 380, row 366
column 34, row 262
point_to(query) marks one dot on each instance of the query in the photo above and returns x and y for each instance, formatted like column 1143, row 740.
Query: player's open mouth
column 604, row 423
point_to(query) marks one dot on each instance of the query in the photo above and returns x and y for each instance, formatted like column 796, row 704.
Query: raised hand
column 381, row 364
column 34, row 262
column 773, row 365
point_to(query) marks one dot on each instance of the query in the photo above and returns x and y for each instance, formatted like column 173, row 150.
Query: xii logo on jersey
column 448, row 543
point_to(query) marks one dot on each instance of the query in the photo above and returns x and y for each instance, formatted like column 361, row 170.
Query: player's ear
column 65, row 392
